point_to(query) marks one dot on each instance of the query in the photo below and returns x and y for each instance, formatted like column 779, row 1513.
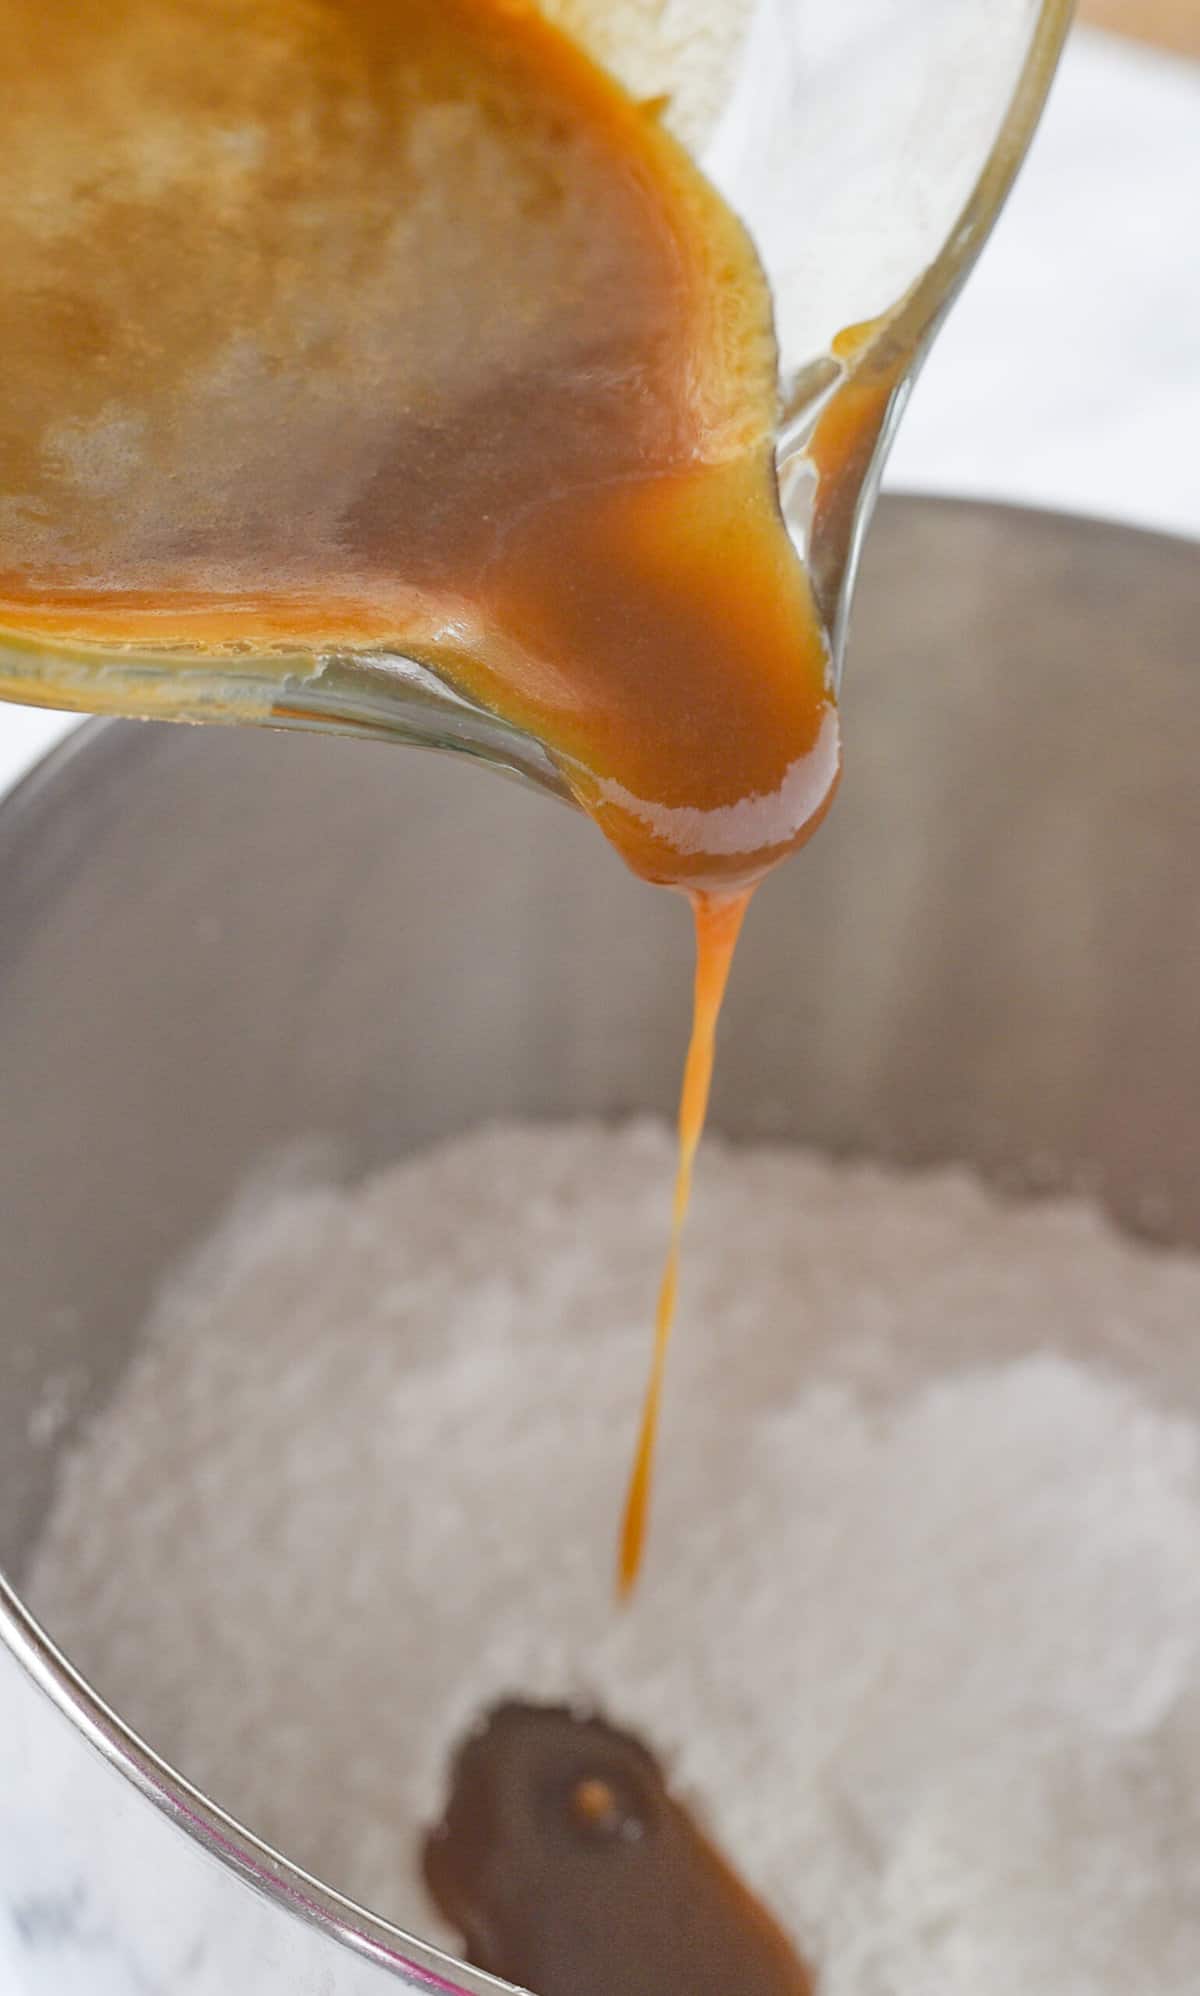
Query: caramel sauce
column 718, row 921
column 398, row 326
column 566, row 1865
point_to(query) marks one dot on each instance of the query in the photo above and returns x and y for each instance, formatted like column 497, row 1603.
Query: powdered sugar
column 921, row 1618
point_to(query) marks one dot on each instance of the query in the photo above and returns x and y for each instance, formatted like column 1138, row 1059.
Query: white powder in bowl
column 920, row 1624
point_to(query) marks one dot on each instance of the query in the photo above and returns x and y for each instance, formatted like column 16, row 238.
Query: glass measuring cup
column 868, row 149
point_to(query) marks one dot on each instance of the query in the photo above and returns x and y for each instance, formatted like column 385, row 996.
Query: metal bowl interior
column 217, row 943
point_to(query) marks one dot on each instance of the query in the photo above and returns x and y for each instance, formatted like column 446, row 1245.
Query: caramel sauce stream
column 718, row 922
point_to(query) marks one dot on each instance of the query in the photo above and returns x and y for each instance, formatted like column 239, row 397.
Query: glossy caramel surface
column 567, row 1865
column 397, row 323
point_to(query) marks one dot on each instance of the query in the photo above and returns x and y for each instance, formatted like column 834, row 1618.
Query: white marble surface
column 101, row 1896
column 1069, row 373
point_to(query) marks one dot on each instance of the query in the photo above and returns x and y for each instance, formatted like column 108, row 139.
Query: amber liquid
column 397, row 324
column 718, row 920
column 568, row 1866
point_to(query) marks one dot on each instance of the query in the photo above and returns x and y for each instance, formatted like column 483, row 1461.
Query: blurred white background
column 1068, row 375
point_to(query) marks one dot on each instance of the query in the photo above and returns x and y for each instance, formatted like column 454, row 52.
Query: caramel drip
column 718, row 920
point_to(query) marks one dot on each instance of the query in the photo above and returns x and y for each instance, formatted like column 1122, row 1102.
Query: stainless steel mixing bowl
column 217, row 942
